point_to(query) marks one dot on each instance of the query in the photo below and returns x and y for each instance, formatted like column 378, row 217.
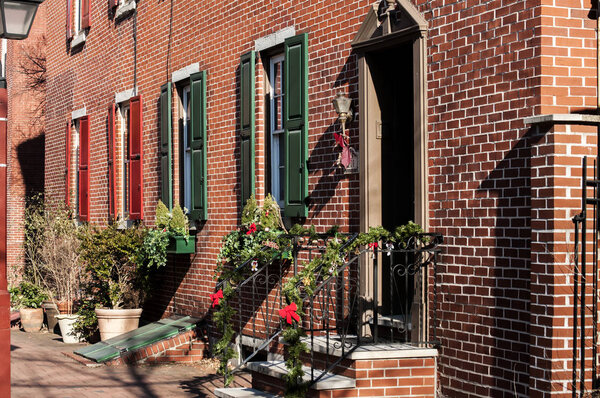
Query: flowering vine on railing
column 261, row 240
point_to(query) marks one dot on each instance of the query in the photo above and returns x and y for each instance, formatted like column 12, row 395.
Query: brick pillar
column 556, row 153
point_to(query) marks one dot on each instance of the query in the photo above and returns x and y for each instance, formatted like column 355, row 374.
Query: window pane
column 278, row 99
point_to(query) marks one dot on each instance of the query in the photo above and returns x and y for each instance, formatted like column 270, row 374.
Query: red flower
column 373, row 245
column 215, row 297
column 289, row 312
column 339, row 139
column 252, row 229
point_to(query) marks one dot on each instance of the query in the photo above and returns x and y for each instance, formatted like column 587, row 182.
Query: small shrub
column 27, row 295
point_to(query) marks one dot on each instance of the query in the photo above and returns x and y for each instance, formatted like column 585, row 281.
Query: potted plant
column 52, row 246
column 28, row 298
column 117, row 281
column 175, row 225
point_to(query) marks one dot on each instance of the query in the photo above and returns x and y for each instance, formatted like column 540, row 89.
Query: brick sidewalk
column 39, row 369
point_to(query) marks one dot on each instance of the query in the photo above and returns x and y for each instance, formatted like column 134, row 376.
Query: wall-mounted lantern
column 348, row 159
column 16, row 17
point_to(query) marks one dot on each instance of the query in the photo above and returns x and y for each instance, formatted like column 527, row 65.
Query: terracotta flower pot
column 32, row 319
column 63, row 307
column 116, row 322
column 66, row 323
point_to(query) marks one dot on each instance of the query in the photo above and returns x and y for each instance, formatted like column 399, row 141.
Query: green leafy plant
column 111, row 256
column 27, row 295
column 153, row 252
column 86, row 325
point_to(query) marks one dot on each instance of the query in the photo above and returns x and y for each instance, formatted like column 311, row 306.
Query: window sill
column 78, row 39
column 125, row 9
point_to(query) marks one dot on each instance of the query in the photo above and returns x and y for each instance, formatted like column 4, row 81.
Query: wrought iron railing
column 341, row 319
column 338, row 317
column 401, row 282
column 259, row 297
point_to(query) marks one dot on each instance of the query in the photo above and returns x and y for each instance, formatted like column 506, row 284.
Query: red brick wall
column 105, row 65
column 483, row 80
column 490, row 64
column 403, row 377
column 26, row 140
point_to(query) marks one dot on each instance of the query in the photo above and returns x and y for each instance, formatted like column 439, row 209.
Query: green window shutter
column 295, row 113
column 166, row 186
column 247, row 65
column 198, row 145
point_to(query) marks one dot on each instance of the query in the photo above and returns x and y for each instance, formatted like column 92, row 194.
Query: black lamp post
column 16, row 18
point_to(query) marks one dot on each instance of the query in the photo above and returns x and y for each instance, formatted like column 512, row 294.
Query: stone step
column 241, row 393
column 328, row 382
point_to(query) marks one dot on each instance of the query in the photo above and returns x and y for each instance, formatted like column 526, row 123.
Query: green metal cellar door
column 138, row 338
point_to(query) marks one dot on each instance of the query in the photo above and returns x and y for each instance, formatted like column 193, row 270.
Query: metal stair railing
column 260, row 296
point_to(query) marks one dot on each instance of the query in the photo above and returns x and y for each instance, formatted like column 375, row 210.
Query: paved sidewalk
column 39, row 369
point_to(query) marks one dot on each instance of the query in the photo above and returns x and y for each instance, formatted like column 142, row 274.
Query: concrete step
column 328, row 382
column 241, row 393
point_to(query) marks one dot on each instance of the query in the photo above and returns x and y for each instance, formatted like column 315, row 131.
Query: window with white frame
column 78, row 173
column 186, row 153
column 78, row 20
column 276, row 130
column 124, row 138
column 75, row 162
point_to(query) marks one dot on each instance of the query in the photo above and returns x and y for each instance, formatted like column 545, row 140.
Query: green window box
column 178, row 245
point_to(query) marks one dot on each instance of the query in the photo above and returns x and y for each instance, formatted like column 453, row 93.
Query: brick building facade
column 25, row 131
column 461, row 80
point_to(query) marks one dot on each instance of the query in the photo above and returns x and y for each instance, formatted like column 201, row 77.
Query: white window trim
column 125, row 8
column 122, row 215
column 78, row 39
column 274, row 39
column 77, row 16
column 125, row 96
column 185, row 73
column 79, row 113
column 274, row 152
column 75, row 142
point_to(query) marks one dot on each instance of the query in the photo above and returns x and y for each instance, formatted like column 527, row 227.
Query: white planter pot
column 66, row 323
column 113, row 323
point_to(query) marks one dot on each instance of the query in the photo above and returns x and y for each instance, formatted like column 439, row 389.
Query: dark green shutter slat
column 247, row 95
column 199, row 209
column 295, row 112
column 166, row 194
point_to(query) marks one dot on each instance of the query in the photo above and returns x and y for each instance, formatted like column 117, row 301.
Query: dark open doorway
column 392, row 75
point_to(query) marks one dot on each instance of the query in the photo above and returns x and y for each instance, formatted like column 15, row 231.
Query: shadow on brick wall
column 508, row 268
column 165, row 296
column 30, row 154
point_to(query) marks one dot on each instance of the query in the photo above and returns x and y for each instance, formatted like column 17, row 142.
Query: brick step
column 277, row 369
column 241, row 393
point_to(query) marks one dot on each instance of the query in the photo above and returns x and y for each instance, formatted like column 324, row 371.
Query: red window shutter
column 68, row 164
column 112, row 177
column 84, row 175
column 85, row 14
column 69, row 19
column 136, row 193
